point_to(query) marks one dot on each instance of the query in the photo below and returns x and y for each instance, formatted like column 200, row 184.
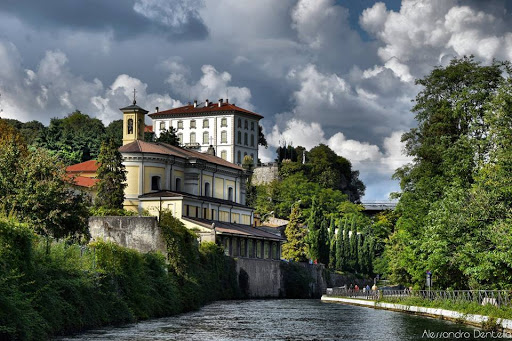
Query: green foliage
column 455, row 202
column 73, row 139
column 73, row 288
column 112, row 176
column 114, row 132
column 168, row 137
column 262, row 141
column 332, row 244
column 295, row 247
column 119, row 212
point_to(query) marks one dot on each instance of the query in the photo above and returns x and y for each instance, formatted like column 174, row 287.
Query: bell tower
column 133, row 122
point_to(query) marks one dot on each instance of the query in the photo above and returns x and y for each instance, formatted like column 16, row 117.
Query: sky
column 336, row 72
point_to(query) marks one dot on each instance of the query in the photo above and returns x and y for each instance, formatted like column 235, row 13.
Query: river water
column 287, row 320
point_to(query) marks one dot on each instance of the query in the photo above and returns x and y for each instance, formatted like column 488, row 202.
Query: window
column 206, row 138
column 239, row 157
column 258, row 249
column 224, row 137
column 205, row 213
column 246, row 125
column 252, row 125
column 239, row 123
column 155, row 183
column 266, row 250
column 162, row 125
column 130, row 126
column 243, row 249
column 252, row 140
column 250, row 243
column 224, row 122
column 193, row 124
column 230, row 193
column 180, row 138
column 206, row 189
column 178, row 185
column 206, row 123
column 212, row 217
column 239, row 140
column 187, row 211
column 192, row 137
column 224, row 155
column 226, row 245
column 245, row 139
column 180, row 124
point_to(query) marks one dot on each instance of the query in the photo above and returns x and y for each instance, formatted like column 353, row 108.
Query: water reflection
column 285, row 320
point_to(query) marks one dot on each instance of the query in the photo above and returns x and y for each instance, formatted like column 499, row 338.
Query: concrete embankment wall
column 264, row 276
column 470, row 319
column 139, row 233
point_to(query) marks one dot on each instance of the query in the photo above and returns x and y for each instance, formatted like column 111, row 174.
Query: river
column 286, row 320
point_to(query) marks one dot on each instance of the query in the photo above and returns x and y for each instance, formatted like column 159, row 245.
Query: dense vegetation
column 73, row 287
column 455, row 217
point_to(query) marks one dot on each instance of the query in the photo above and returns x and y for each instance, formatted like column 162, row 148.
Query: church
column 207, row 193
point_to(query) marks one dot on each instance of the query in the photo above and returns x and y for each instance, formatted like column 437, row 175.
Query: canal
column 287, row 320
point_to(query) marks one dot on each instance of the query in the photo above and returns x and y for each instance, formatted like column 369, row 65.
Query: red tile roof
column 84, row 167
column 213, row 107
column 148, row 129
column 83, row 181
column 139, row 146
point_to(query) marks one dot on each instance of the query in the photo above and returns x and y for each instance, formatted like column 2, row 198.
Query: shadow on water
column 287, row 320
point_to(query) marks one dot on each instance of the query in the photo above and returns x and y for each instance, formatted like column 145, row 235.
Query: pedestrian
column 356, row 288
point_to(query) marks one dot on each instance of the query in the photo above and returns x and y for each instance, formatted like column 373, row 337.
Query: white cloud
column 212, row 85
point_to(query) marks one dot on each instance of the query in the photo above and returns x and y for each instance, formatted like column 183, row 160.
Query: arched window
column 224, row 137
column 207, row 189
column 239, row 140
column 224, row 122
column 178, row 185
column 224, row 155
column 239, row 157
column 206, row 123
column 252, row 140
column 192, row 137
column 252, row 125
column 130, row 126
column 230, row 193
column 245, row 139
column 206, row 137
column 193, row 124
column 180, row 138
column 246, row 125
column 239, row 123
column 155, row 183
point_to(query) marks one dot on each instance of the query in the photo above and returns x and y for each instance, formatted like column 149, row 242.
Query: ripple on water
column 279, row 320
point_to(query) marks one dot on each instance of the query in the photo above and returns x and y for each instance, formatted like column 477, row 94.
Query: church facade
column 231, row 130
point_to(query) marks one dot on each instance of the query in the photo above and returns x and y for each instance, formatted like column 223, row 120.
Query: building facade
column 232, row 131
column 206, row 192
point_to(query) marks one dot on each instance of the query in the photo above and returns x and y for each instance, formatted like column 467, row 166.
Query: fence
column 493, row 297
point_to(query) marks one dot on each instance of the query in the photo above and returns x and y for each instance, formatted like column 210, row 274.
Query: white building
column 231, row 130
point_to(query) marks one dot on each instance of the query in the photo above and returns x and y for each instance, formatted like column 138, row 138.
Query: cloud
column 212, row 85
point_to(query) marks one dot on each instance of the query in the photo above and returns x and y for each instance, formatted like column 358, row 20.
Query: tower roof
column 134, row 107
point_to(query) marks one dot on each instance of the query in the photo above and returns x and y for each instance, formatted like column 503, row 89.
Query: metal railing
column 493, row 297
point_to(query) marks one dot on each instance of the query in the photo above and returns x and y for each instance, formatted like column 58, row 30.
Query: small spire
column 134, row 101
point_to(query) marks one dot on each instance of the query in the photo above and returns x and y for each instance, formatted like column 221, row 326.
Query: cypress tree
column 323, row 243
column 346, row 248
column 353, row 247
column 295, row 247
column 314, row 223
column 332, row 244
column 361, row 255
column 112, row 176
column 340, row 248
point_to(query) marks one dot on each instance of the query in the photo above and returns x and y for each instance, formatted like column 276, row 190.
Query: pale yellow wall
column 172, row 205
column 132, row 179
column 230, row 183
column 131, row 205
column 178, row 174
column 219, row 188
column 207, row 178
column 223, row 216
column 246, row 219
column 235, row 217
column 150, row 171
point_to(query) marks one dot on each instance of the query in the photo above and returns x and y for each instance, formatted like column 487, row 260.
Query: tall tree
column 314, row 223
column 112, row 176
column 340, row 249
column 323, row 243
column 295, row 247
column 332, row 244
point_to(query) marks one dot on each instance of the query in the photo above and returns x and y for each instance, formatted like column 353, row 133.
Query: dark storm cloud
column 118, row 16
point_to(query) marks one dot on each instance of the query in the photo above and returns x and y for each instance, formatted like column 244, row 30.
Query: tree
column 112, row 176
column 314, row 222
column 262, row 141
column 169, row 137
column 114, row 131
column 332, row 244
column 295, row 247
column 323, row 243
column 340, row 248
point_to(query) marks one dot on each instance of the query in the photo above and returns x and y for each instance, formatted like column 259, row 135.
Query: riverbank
column 480, row 321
